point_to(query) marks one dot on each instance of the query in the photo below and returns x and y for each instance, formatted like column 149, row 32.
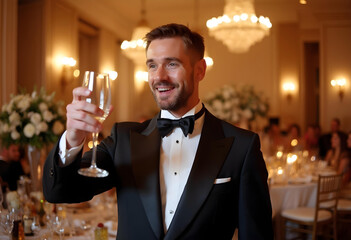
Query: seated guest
column 311, row 138
column 324, row 140
column 13, row 169
column 293, row 141
column 338, row 149
column 345, row 163
column 272, row 140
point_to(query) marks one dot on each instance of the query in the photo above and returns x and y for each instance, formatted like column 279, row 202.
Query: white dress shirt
column 176, row 160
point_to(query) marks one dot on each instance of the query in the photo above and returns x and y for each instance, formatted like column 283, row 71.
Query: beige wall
column 8, row 49
column 288, row 71
column 336, row 63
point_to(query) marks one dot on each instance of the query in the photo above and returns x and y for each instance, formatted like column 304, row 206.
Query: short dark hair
column 192, row 40
column 337, row 120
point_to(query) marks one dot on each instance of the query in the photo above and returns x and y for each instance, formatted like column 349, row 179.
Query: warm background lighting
column 239, row 28
column 69, row 61
column 289, row 89
column 340, row 84
column 141, row 76
column 112, row 75
column 291, row 158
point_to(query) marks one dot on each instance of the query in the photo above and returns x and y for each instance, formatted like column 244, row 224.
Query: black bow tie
column 165, row 125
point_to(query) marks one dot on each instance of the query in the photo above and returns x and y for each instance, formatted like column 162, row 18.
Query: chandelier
column 239, row 27
column 135, row 48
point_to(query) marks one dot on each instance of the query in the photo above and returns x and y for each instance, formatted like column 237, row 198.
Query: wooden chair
column 306, row 220
column 344, row 210
column 344, row 218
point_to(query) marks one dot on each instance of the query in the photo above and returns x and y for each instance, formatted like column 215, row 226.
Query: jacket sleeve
column 255, row 211
column 65, row 185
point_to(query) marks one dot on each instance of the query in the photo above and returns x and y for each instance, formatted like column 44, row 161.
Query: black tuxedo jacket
column 206, row 210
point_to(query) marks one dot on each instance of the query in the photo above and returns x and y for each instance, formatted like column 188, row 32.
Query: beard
column 178, row 99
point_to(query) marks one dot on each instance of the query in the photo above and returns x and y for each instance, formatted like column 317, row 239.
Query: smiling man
column 184, row 174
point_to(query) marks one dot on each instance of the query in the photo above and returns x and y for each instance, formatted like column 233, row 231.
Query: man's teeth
column 163, row 89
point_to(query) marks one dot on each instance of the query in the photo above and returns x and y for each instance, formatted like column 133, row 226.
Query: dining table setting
column 95, row 219
column 292, row 180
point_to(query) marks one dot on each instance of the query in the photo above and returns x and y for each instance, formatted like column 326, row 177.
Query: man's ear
column 200, row 69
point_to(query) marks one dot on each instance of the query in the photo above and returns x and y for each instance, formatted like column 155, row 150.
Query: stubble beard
column 179, row 100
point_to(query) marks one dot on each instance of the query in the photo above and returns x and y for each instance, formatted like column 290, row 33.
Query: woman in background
column 338, row 156
column 345, row 163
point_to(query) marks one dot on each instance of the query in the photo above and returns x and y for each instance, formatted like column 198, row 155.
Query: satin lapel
column 212, row 152
column 145, row 155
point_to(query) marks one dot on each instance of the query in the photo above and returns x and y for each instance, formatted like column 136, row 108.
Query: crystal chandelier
column 135, row 48
column 239, row 28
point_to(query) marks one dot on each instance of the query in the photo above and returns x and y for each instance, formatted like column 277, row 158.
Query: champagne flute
column 100, row 87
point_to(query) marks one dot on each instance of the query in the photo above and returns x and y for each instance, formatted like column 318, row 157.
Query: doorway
column 312, row 83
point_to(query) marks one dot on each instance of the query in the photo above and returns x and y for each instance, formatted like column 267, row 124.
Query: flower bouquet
column 235, row 105
column 31, row 119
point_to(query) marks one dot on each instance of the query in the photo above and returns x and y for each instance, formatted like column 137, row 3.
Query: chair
column 344, row 218
column 306, row 220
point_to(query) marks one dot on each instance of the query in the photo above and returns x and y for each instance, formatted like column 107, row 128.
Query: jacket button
column 51, row 172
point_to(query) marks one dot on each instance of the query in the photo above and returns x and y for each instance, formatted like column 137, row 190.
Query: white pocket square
column 222, row 180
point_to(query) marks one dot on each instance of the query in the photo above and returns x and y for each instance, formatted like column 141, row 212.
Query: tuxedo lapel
column 145, row 155
column 212, row 152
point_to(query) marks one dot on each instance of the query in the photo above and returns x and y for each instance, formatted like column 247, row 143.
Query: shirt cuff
column 67, row 156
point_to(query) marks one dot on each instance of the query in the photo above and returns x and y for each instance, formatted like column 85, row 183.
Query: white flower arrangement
column 235, row 105
column 31, row 119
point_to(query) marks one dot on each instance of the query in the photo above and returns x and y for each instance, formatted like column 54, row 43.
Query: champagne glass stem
column 95, row 139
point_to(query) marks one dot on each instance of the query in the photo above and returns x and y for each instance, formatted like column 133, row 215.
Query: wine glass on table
column 100, row 87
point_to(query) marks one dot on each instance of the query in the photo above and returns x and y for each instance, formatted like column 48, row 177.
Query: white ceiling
column 122, row 16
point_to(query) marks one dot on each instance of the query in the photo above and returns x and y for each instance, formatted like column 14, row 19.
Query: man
column 200, row 184
column 11, row 168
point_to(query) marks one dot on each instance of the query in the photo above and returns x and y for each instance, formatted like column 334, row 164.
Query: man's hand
column 80, row 118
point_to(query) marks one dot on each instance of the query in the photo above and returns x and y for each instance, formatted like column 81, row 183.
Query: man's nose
column 160, row 73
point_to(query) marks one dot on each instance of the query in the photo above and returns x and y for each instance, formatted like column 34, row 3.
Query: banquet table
column 82, row 221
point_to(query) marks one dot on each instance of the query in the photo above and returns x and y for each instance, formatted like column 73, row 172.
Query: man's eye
column 173, row 64
column 151, row 66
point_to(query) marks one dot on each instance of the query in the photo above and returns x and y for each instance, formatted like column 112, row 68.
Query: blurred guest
column 272, row 140
column 24, row 162
column 14, row 170
column 338, row 148
column 345, row 163
column 293, row 140
column 324, row 140
column 311, row 138
column 4, row 171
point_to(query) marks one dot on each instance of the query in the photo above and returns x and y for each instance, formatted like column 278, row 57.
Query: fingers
column 81, row 116
column 80, row 92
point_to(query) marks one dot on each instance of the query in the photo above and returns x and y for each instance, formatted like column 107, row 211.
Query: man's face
column 13, row 153
column 335, row 140
column 173, row 79
column 334, row 126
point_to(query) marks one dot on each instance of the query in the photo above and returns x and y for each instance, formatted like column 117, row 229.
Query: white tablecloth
column 290, row 196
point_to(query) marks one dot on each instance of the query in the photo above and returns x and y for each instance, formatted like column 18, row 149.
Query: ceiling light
column 239, row 27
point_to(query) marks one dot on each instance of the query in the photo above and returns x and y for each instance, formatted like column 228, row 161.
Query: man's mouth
column 164, row 89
